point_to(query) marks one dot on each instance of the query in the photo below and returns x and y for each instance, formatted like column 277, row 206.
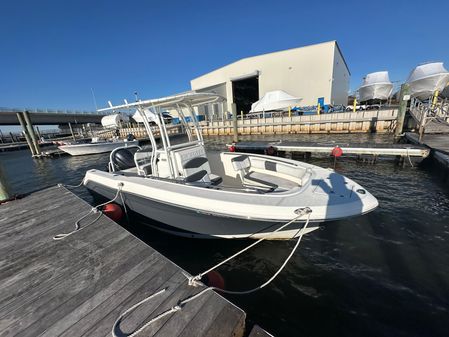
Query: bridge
column 8, row 116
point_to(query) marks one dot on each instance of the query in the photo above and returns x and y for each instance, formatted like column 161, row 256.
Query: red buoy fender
column 113, row 211
column 337, row 151
column 214, row 279
column 270, row 151
column 232, row 148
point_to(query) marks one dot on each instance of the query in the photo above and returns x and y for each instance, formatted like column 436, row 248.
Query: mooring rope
column 194, row 280
column 93, row 210
column 72, row 186
column 409, row 160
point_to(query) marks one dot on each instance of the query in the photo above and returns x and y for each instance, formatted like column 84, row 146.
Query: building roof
column 280, row 51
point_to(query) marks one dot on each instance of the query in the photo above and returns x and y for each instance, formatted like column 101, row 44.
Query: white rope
column 72, row 186
column 118, row 321
column 300, row 213
column 193, row 281
column 93, row 210
column 409, row 160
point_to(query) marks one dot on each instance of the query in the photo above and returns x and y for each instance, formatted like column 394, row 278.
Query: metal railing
column 428, row 111
column 52, row 111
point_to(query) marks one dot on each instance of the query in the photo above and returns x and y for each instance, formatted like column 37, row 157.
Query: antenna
column 135, row 94
column 93, row 96
column 126, row 101
column 110, row 104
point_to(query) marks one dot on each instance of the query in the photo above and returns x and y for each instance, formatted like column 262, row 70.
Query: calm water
column 382, row 274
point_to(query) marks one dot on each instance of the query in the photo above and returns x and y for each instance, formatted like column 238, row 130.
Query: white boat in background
column 375, row 86
column 96, row 146
column 114, row 120
column 427, row 78
column 275, row 100
column 185, row 191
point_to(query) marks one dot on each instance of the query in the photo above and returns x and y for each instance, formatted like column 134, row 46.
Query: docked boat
column 427, row 78
column 275, row 100
column 375, row 86
column 184, row 190
column 96, row 146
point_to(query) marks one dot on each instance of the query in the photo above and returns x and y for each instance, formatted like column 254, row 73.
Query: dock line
column 93, row 210
column 194, row 280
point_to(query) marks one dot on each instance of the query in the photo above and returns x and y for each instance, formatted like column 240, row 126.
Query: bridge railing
column 52, row 111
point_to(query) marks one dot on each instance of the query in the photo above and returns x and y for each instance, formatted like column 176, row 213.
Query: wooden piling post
column 235, row 138
column 403, row 99
column 31, row 132
column 4, row 194
column 25, row 133
column 71, row 131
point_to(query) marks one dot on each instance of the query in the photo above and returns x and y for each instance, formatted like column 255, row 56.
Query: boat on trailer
column 186, row 191
column 375, row 86
column 427, row 78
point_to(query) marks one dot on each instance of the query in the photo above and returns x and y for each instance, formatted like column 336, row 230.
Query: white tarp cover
column 375, row 86
column 275, row 100
column 425, row 79
column 151, row 116
column 114, row 120
column 377, row 77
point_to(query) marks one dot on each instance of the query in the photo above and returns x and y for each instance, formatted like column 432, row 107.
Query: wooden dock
column 80, row 285
column 439, row 146
column 437, row 142
column 378, row 150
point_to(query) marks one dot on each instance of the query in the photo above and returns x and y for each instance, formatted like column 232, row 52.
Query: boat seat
column 123, row 159
column 269, row 181
column 195, row 165
column 242, row 165
column 253, row 178
column 199, row 178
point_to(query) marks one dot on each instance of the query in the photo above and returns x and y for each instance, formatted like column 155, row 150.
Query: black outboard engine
column 123, row 159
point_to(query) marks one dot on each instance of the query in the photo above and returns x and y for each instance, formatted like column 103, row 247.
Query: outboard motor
column 123, row 159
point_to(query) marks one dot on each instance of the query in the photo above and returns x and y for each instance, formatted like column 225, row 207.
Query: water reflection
column 382, row 274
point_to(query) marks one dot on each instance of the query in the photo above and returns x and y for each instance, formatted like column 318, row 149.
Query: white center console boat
column 186, row 191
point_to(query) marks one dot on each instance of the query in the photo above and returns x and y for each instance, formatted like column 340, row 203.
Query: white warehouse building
column 314, row 73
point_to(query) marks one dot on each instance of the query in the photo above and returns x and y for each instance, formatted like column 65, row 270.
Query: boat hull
column 380, row 91
column 196, row 224
column 424, row 88
column 94, row 148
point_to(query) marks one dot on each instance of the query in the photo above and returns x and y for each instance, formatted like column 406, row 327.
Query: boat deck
column 79, row 286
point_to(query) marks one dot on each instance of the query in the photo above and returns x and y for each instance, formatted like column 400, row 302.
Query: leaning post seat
column 192, row 169
column 191, row 159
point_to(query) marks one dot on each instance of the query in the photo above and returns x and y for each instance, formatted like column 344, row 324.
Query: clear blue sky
column 54, row 52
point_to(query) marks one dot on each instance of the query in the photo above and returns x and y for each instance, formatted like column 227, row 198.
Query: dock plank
column 437, row 142
column 112, row 306
column 78, row 286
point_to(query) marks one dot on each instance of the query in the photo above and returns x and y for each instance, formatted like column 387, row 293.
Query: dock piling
column 4, row 194
column 403, row 100
column 71, row 131
column 25, row 133
column 235, row 137
column 31, row 132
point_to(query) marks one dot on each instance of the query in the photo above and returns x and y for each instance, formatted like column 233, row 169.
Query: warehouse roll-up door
column 245, row 92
